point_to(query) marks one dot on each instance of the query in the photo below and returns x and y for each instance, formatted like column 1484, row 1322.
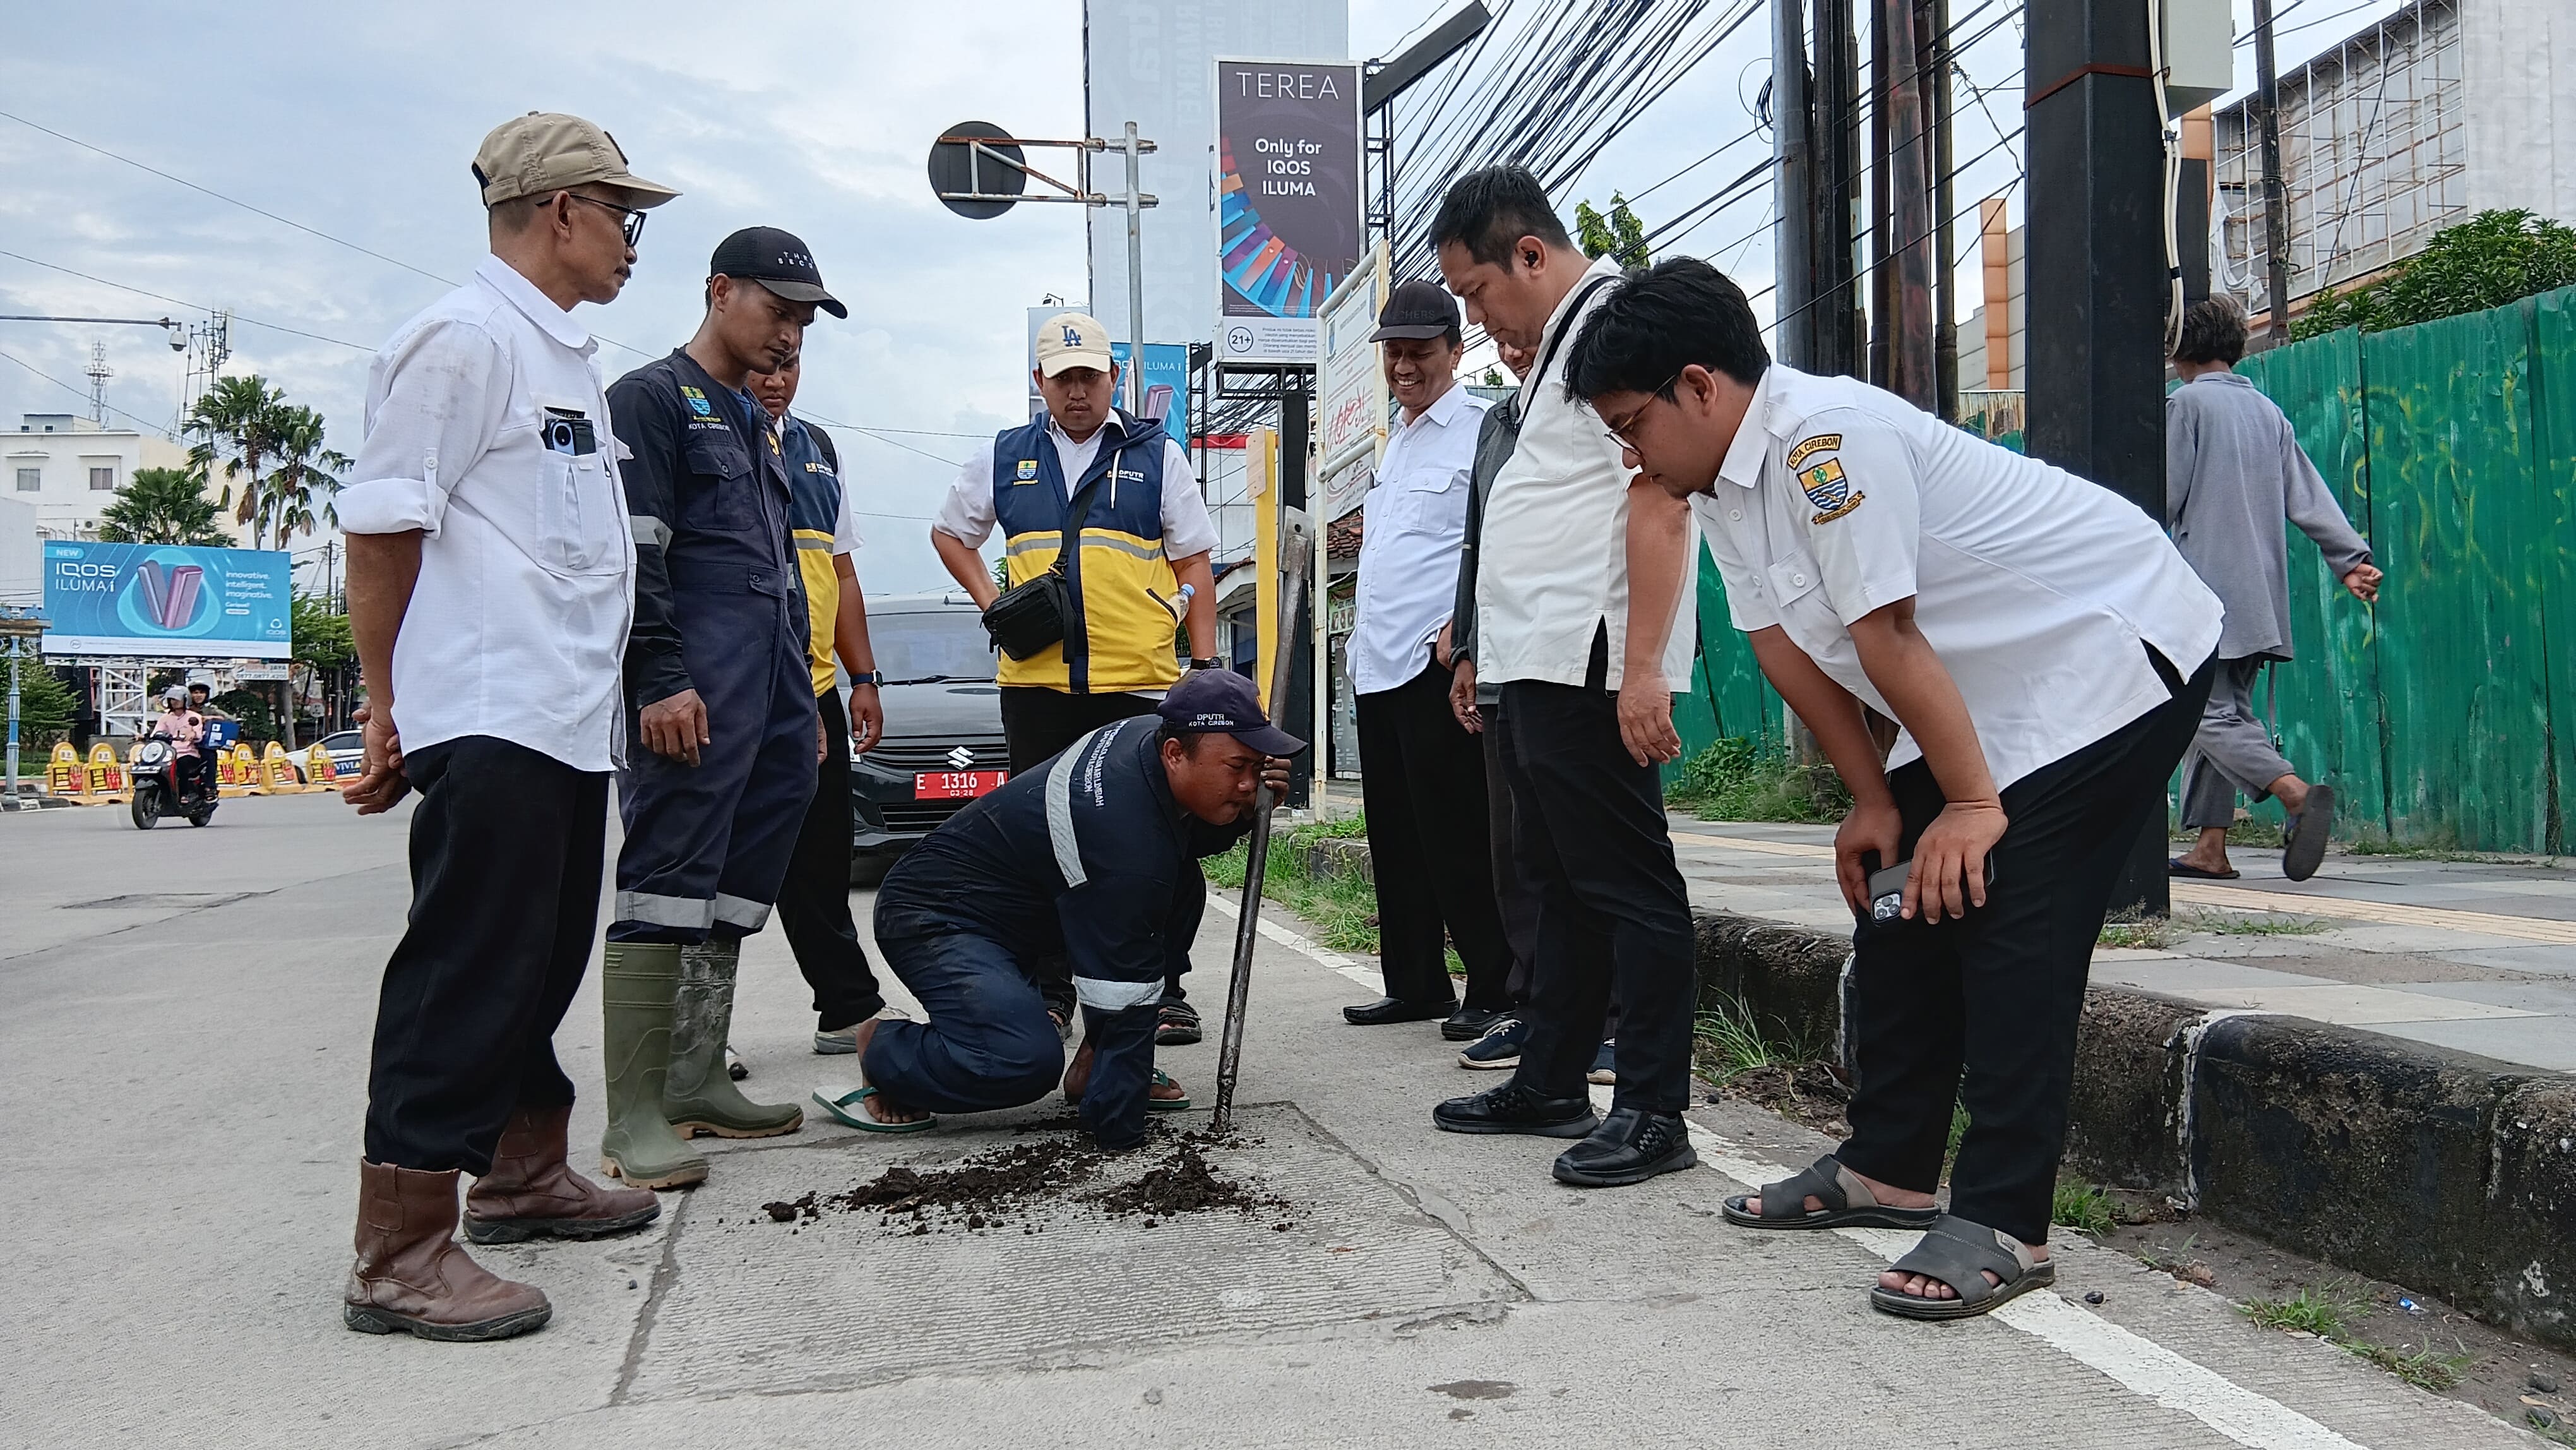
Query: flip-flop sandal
column 1160, row 1105
column 2305, row 849
column 1176, row 1025
column 1957, row 1252
column 2184, row 869
column 843, row 1104
column 1847, row 1201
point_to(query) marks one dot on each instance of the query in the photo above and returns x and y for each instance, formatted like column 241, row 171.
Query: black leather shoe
column 1468, row 1023
column 1512, row 1108
column 1395, row 1009
column 1630, row 1146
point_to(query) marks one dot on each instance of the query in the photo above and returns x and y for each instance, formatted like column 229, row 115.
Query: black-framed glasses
column 630, row 219
column 1619, row 430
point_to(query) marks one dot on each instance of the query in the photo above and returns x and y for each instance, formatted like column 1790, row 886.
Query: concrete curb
column 2440, row 1170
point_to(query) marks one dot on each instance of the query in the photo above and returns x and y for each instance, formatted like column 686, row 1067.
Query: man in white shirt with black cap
column 1422, row 775
column 491, row 574
column 2045, row 649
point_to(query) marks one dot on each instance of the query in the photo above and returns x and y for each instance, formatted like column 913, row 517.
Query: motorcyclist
column 184, row 728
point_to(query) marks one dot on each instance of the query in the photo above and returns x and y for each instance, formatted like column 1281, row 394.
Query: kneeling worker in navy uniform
column 721, row 698
column 1091, row 857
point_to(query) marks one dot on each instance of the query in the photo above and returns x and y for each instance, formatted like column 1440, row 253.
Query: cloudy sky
column 359, row 120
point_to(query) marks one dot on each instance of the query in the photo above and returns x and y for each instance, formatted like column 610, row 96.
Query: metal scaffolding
column 2374, row 156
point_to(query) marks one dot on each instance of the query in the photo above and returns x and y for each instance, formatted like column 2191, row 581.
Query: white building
column 70, row 468
column 2415, row 122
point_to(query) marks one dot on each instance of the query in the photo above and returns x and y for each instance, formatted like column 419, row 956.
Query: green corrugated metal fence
column 2447, row 713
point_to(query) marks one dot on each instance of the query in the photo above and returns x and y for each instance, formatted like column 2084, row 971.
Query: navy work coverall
column 1087, row 858
column 718, row 609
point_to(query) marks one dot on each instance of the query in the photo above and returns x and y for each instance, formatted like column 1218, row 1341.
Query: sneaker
column 1602, row 1072
column 836, row 1044
column 1499, row 1047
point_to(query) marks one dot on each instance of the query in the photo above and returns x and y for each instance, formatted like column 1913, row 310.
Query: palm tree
column 235, row 425
column 305, row 468
column 162, row 506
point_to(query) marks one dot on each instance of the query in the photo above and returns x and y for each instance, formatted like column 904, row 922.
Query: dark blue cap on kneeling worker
column 1221, row 702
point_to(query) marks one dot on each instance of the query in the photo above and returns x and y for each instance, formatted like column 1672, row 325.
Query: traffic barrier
column 241, row 768
column 277, row 773
column 318, row 769
column 106, row 776
column 64, row 775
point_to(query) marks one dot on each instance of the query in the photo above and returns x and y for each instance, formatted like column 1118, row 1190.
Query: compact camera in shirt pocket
column 568, row 432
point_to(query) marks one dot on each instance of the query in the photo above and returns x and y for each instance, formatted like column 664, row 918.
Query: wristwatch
column 867, row 677
column 1212, row 662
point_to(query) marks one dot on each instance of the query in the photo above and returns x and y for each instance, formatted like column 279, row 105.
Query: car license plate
column 949, row 785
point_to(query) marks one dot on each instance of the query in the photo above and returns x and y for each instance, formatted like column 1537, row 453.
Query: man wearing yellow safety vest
column 814, row 900
column 1141, row 572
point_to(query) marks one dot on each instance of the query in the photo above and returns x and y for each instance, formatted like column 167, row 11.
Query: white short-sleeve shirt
column 966, row 514
column 1416, row 524
column 517, row 625
column 2039, row 591
column 1552, row 559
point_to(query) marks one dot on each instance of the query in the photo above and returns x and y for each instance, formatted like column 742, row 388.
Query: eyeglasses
column 631, row 219
column 1619, row 430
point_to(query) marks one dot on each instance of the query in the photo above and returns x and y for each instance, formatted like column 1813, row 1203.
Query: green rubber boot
column 699, row 1095
column 638, row 982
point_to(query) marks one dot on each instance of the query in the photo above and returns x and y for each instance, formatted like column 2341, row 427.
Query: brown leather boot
column 532, row 1193
column 413, row 1278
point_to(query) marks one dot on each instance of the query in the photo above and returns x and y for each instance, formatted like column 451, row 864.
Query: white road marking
column 2131, row 1360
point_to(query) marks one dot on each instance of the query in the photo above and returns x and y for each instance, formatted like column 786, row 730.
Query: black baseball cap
column 1221, row 702
column 776, row 260
column 1417, row 309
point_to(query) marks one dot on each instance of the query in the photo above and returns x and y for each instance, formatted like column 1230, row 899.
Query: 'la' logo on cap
column 1072, row 336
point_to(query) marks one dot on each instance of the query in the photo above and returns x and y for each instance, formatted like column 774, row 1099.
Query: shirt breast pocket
column 716, row 494
column 1797, row 595
column 1425, row 505
column 580, row 519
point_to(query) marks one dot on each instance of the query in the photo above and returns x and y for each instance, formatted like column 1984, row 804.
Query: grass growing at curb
column 1342, row 909
column 2422, row 1368
column 2083, row 1207
column 1736, row 780
column 2129, row 929
column 1731, row 1042
column 2319, row 1309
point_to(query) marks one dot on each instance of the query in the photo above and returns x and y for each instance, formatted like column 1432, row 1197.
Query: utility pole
column 2276, row 201
column 2097, row 281
column 1836, row 304
column 1882, row 277
column 1796, row 266
column 1945, row 259
column 1907, row 218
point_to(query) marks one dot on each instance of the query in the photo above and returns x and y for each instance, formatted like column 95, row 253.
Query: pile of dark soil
column 1807, row 1093
column 998, row 1187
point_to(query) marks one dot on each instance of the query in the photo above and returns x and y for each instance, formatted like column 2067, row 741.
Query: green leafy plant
column 2083, row 1207
column 2324, row 1310
column 1736, row 779
column 163, row 506
column 2489, row 260
column 46, row 707
column 1616, row 234
column 321, row 635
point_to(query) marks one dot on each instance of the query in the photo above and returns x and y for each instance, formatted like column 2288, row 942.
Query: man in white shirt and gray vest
column 1422, row 775
column 491, row 578
column 1583, row 617
column 2046, row 651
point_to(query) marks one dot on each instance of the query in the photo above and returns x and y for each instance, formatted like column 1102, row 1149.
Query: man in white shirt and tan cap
column 2046, row 650
column 491, row 573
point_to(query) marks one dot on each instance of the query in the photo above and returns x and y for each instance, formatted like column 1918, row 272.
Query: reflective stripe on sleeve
column 1059, row 811
column 649, row 530
column 674, row 911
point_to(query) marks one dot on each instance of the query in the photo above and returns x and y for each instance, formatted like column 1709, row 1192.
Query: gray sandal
column 1847, row 1201
column 1957, row 1252
column 2305, row 848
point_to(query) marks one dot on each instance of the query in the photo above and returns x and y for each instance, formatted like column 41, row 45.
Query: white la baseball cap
column 1072, row 340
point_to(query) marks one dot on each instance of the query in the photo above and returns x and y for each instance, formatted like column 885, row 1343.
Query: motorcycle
column 162, row 788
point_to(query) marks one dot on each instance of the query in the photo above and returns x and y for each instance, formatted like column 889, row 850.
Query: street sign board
column 166, row 601
column 1288, row 201
column 1351, row 385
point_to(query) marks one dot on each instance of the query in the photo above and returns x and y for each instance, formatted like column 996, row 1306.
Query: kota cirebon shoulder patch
column 1824, row 482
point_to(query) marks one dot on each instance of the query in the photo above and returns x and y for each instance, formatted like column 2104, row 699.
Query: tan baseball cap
column 1072, row 340
column 544, row 151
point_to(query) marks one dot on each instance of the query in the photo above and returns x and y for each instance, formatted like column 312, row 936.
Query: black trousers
column 1037, row 725
column 1613, row 915
column 1515, row 901
column 506, row 850
column 814, row 899
column 1981, row 1010
column 1422, row 780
